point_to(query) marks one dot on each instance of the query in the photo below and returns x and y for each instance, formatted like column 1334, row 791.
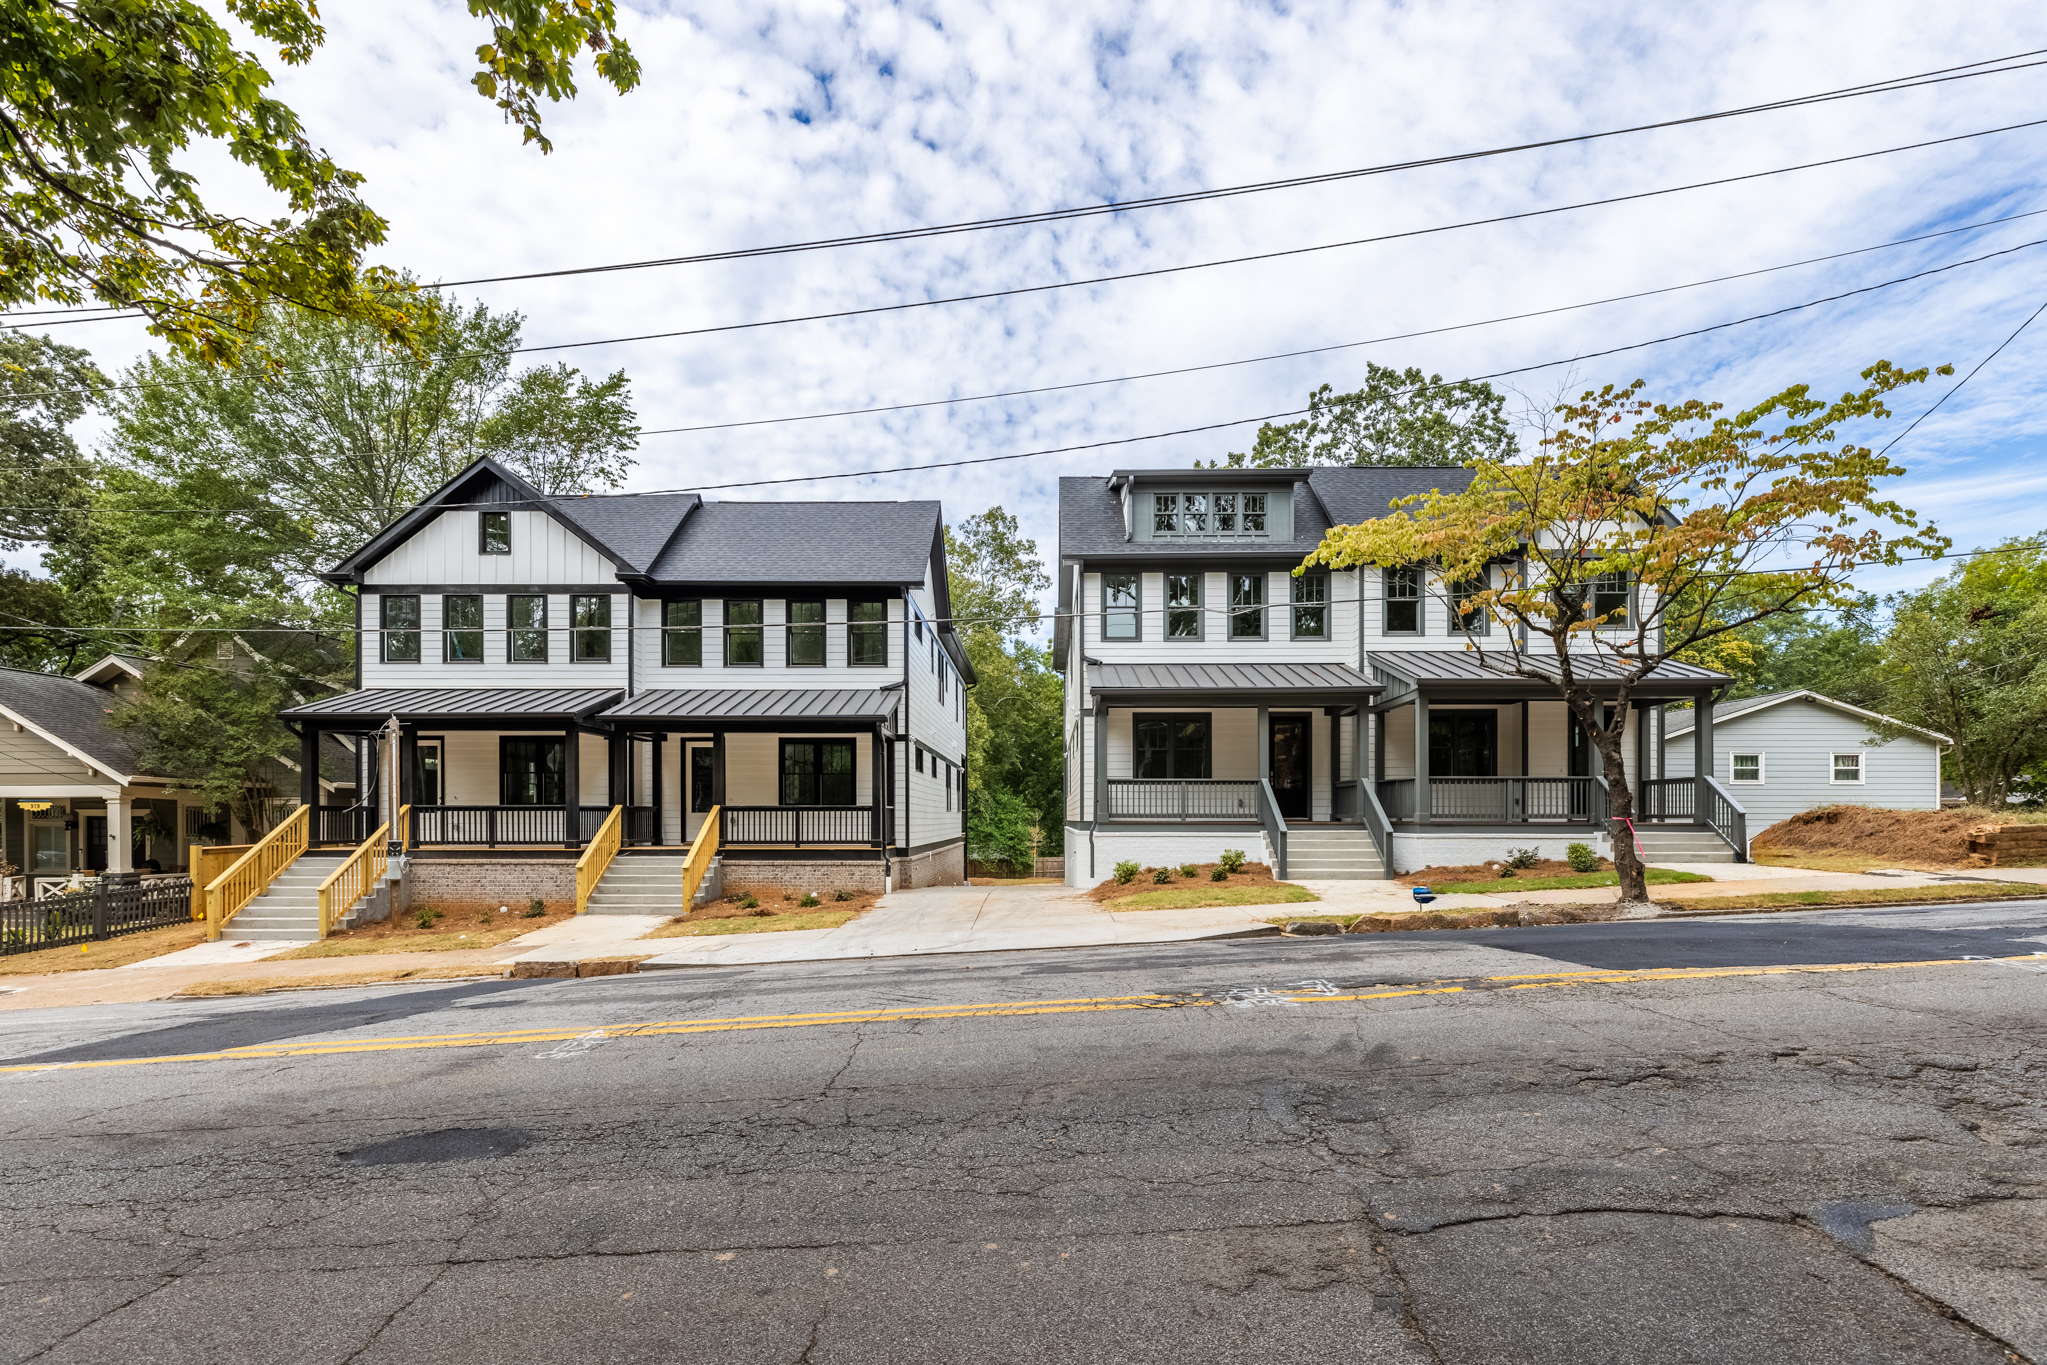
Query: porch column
column 1335, row 759
column 572, row 789
column 1101, row 760
column 408, row 765
column 120, row 810
column 309, row 774
column 1421, row 756
column 1702, row 755
column 875, row 780
column 1524, row 737
column 660, row 759
column 717, row 767
column 1264, row 744
column 1379, row 748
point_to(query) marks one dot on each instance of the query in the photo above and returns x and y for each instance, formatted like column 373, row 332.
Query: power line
column 1339, row 346
column 1964, row 379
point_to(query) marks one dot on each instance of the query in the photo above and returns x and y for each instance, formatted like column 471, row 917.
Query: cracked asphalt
column 1768, row 1166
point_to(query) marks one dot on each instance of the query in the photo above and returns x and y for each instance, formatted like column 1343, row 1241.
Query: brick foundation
column 802, row 874
column 463, row 884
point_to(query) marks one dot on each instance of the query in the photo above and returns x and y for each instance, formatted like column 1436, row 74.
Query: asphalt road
column 1635, row 1142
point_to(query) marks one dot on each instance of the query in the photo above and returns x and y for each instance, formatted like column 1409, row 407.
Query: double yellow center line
column 1285, row 995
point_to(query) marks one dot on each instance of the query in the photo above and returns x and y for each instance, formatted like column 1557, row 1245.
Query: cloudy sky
column 764, row 124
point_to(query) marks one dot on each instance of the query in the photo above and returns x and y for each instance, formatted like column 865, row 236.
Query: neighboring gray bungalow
column 1787, row 752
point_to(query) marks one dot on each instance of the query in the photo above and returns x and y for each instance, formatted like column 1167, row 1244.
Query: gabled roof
column 629, row 530
column 72, row 715
column 112, row 667
column 802, row 542
column 1091, row 508
column 1730, row 710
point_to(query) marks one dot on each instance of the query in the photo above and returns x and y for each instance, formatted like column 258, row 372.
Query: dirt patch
column 1202, row 874
column 1925, row 838
column 777, row 900
column 1489, row 872
column 420, row 931
column 115, row 952
column 1506, row 917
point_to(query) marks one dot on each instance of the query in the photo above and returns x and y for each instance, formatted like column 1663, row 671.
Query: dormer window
column 496, row 537
column 1234, row 515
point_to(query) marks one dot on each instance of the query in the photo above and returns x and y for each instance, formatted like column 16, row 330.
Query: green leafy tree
column 101, row 102
column 1399, row 417
column 1719, row 522
column 44, row 389
column 34, row 630
column 994, row 574
column 1967, row 657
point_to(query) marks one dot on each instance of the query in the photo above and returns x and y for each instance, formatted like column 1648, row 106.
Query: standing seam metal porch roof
column 766, row 703
column 1247, row 677
column 1460, row 666
column 454, row 702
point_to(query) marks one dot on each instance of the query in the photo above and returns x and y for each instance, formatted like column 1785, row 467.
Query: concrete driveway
column 970, row 919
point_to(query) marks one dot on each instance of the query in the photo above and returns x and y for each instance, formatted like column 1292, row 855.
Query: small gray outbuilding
column 1786, row 752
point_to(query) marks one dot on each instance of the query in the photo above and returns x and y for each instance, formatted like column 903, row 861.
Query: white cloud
column 761, row 124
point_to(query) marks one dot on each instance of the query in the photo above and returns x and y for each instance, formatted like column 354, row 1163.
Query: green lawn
column 1195, row 897
column 1508, row 886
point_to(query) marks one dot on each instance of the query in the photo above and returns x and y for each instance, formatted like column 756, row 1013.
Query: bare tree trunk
column 1607, row 738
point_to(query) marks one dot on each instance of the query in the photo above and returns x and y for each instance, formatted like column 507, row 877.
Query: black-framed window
column 400, row 620
column 494, row 533
column 867, row 634
column 1611, row 594
column 529, row 770
column 1468, row 616
column 1247, row 606
column 1121, row 597
column 1183, row 606
column 682, row 634
column 526, row 620
column 806, row 635
column 743, row 648
column 817, row 772
column 591, row 616
column 920, row 758
column 1171, row 746
column 1464, row 743
column 462, row 628
column 1311, row 606
column 1403, row 604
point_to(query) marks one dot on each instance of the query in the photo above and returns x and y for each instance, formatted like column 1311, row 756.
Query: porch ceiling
column 1468, row 673
column 1232, row 684
column 377, row 704
column 807, row 705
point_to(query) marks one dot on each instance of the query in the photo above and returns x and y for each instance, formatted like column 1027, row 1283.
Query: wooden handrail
column 698, row 863
column 404, row 824
column 596, row 859
column 255, row 870
column 208, row 863
column 351, row 881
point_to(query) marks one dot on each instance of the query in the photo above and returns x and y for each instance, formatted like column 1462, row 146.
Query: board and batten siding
column 1797, row 740
column 447, row 550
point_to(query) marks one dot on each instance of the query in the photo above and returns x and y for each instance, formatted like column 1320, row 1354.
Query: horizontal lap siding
column 26, row 757
column 774, row 672
column 445, row 551
column 1215, row 646
column 1797, row 740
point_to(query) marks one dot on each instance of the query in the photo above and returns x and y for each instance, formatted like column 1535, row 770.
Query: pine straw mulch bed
column 1250, row 874
column 454, row 930
column 1488, row 872
column 778, row 908
column 1926, row 838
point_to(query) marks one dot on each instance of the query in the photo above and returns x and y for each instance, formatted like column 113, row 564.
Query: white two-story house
column 528, row 663
column 1334, row 724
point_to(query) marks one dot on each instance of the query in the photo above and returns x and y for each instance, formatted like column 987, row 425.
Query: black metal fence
column 94, row 916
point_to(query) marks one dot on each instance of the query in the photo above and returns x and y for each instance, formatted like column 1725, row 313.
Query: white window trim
column 1861, row 770
column 1762, row 770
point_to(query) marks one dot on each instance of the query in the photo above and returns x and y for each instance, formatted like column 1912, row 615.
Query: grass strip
column 259, row 985
column 115, row 952
column 751, row 924
column 1512, row 886
column 1901, row 895
column 1197, row 897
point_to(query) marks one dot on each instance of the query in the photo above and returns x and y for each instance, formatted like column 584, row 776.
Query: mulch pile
column 1938, row 838
column 1486, row 872
column 1250, row 874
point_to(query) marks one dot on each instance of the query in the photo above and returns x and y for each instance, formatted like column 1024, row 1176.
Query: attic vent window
column 1208, row 515
column 497, row 534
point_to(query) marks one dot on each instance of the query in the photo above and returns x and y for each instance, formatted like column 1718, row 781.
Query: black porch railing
column 640, row 824
column 1499, row 800
column 1669, row 798
column 796, row 826
column 1140, row 798
column 107, row 911
column 498, row 826
column 342, row 824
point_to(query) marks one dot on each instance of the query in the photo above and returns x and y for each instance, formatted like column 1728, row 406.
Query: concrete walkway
column 971, row 919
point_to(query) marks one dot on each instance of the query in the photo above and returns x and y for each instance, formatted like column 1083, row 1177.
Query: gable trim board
column 1749, row 706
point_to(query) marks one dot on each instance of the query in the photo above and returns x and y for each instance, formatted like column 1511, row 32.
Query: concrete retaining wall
column 936, row 867
column 1413, row 852
column 1168, row 848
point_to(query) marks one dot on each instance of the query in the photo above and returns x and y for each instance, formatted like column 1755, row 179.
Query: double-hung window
column 1183, row 606
column 400, row 621
column 1403, row 590
column 1746, row 768
column 1119, row 604
column 494, row 533
column 867, row 634
column 1240, row 513
column 591, row 616
column 806, row 635
column 1171, row 746
column 1165, row 514
column 1847, row 769
column 527, row 620
column 817, row 772
column 1610, row 600
column 461, row 628
column 743, row 634
column 1311, row 606
column 1247, row 606
column 1466, row 615
column 682, row 634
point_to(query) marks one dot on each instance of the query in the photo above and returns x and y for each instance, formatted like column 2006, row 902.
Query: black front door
column 96, row 842
column 1289, row 775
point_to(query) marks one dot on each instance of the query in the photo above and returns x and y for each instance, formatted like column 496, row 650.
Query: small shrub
column 1523, row 857
column 425, row 917
column 1582, row 858
column 749, row 901
column 809, row 899
column 1161, row 875
column 1190, row 870
column 1126, row 873
column 842, row 894
column 1233, row 860
column 1506, row 872
column 535, row 910
column 1217, row 874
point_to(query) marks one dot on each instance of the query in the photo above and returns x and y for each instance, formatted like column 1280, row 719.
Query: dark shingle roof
column 1091, row 513
column 75, row 713
column 632, row 529
column 764, row 703
column 802, row 542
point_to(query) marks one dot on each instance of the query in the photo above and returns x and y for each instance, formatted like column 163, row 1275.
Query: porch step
column 1322, row 853
column 288, row 911
column 640, row 886
column 1682, row 844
